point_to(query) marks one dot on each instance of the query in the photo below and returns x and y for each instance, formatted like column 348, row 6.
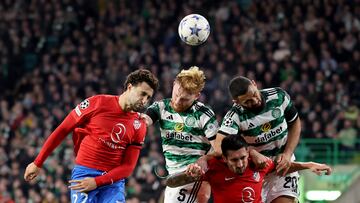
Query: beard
column 239, row 171
column 135, row 107
column 179, row 108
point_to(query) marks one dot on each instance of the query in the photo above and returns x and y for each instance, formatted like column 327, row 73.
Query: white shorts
column 188, row 193
column 275, row 186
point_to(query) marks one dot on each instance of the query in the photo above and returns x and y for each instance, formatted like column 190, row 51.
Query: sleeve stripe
column 293, row 119
column 212, row 137
column 222, row 132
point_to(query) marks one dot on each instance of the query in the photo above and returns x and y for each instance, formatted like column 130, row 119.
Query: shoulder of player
column 215, row 162
column 236, row 109
column 199, row 106
column 273, row 90
column 275, row 93
column 162, row 102
column 103, row 97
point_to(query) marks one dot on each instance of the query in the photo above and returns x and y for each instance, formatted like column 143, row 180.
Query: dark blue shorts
column 108, row 193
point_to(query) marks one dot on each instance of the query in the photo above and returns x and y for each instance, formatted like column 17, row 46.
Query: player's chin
column 138, row 108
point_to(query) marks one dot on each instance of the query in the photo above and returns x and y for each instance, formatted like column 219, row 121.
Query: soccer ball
column 194, row 29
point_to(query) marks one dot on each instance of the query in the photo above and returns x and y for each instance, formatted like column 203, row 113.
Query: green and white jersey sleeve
column 185, row 136
column 266, row 130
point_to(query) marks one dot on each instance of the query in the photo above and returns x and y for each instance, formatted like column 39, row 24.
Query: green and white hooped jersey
column 185, row 136
column 266, row 130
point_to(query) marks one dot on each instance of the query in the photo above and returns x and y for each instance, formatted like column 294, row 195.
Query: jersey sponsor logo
column 229, row 178
column 178, row 136
column 190, row 121
column 248, row 195
column 118, row 132
column 179, row 127
column 84, row 104
column 137, row 124
column 276, row 113
column 111, row 145
column 256, row 176
column 266, row 127
column 268, row 135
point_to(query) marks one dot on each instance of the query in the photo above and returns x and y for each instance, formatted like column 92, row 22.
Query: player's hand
column 84, row 185
column 202, row 162
column 319, row 168
column 31, row 172
column 260, row 161
column 146, row 118
column 194, row 170
column 283, row 163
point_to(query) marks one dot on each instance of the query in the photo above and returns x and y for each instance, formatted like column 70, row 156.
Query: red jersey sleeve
column 86, row 109
column 78, row 115
column 270, row 166
column 125, row 169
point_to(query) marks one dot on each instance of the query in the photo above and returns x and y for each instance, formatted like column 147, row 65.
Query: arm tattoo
column 179, row 179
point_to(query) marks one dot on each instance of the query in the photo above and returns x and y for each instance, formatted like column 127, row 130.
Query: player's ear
column 129, row 86
column 198, row 95
column 235, row 100
column 254, row 83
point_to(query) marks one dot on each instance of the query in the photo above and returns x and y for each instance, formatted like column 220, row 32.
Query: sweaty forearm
column 179, row 179
column 298, row 166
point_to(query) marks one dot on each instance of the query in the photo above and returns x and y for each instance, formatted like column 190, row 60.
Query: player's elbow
column 170, row 183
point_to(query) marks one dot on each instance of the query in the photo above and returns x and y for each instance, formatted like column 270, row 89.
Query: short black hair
column 142, row 75
column 232, row 142
column 239, row 86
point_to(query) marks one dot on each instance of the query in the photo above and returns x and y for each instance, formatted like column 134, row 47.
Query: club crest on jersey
column 179, row 127
column 256, row 176
column 276, row 113
column 190, row 121
column 137, row 124
column 84, row 104
column 266, row 127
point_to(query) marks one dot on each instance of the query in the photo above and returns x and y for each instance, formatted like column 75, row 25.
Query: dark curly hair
column 232, row 142
column 142, row 75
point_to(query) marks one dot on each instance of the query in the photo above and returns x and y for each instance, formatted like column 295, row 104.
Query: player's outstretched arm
column 31, row 171
column 179, row 179
column 217, row 144
column 316, row 168
column 192, row 173
column 56, row 137
column 283, row 160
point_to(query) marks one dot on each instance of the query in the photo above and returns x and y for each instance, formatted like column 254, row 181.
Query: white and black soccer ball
column 194, row 29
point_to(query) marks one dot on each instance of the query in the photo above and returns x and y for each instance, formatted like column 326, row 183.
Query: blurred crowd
column 53, row 54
